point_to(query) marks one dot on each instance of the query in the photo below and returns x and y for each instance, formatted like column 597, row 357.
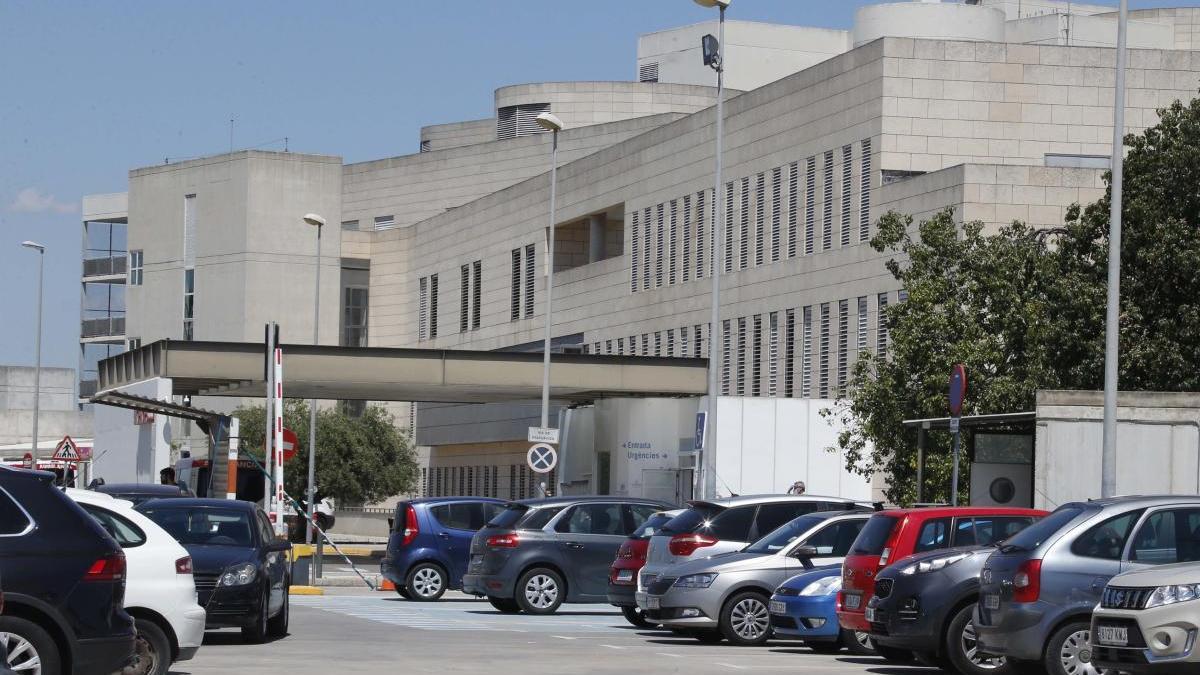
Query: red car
column 891, row 535
column 631, row 557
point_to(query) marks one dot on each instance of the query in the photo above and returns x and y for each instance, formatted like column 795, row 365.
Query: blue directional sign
column 701, row 427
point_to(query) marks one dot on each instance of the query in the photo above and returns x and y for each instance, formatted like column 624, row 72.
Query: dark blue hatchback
column 430, row 543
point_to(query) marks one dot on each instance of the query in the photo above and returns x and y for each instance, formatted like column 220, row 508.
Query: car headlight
column 826, row 586
column 240, row 575
column 1169, row 595
column 933, row 564
column 696, row 580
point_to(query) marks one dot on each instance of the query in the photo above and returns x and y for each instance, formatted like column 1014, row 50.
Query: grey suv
column 539, row 553
column 1038, row 590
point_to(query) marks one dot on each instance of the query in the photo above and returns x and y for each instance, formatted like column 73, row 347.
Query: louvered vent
column 648, row 72
column 519, row 120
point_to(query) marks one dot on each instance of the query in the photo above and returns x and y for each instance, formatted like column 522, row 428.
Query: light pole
column 1108, row 457
column 554, row 125
column 714, row 58
column 37, row 370
column 318, row 222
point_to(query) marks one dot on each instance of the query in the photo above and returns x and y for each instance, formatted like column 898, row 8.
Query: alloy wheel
column 541, row 591
column 427, row 582
column 863, row 639
column 145, row 660
column 750, row 619
column 970, row 648
column 22, row 655
column 1076, row 654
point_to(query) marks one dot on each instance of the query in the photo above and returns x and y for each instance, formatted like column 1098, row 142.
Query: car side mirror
column 279, row 545
column 805, row 552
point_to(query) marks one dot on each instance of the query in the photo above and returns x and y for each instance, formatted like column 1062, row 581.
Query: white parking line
column 612, row 646
column 731, row 665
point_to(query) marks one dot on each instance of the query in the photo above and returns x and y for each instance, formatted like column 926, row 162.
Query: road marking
column 674, row 656
column 731, row 665
column 612, row 646
column 461, row 616
column 562, row 637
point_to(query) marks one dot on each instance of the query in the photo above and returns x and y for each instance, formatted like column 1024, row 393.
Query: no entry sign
column 958, row 388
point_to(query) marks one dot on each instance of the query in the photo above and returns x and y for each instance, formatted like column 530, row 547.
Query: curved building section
column 929, row 20
column 580, row 104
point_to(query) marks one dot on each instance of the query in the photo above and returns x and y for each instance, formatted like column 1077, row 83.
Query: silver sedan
column 726, row 595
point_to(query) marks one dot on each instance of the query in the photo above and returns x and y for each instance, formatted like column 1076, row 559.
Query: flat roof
column 997, row 419
column 394, row 374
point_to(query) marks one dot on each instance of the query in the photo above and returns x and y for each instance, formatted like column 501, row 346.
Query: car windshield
column 691, row 520
column 874, row 535
column 652, row 526
column 509, row 516
column 782, row 536
column 205, row 527
column 1030, row 538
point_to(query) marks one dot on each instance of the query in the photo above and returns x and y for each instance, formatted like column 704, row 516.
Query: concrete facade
column 58, row 414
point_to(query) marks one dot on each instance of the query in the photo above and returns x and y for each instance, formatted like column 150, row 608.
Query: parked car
column 1038, row 590
column 140, row 492
column 727, row 595
column 540, row 553
column 925, row 603
column 896, row 534
column 241, row 570
column 64, row 582
column 622, row 577
column 805, row 607
column 160, row 594
column 430, row 543
column 1148, row 619
column 722, row 525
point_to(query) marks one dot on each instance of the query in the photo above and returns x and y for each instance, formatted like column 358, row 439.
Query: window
column 633, row 240
column 621, row 346
column 776, row 205
column 741, row 356
column 189, row 304
column 847, row 182
column 696, row 344
column 759, row 218
column 728, row 252
column 683, row 342
column 934, row 534
column 744, row 229
column 732, row 524
column 843, row 346
column 1107, row 540
column 881, row 328
column 793, row 187
column 773, row 355
column 354, row 321
column 603, row 519
column 725, row 357
column 672, row 246
column 385, row 222
column 789, row 354
column 460, row 516
column 476, row 292
column 207, row 526
column 13, row 520
column 537, row 518
column 862, row 326
column 464, row 298
column 645, row 344
column 756, row 363
column 827, row 204
column 810, row 204
column 1168, row 537
column 189, row 230
column 686, row 266
column 633, row 345
column 350, row 225
column 646, row 249
column 823, row 376
column 433, row 306
column 126, row 534
column 639, row 514
column 423, row 309
column 700, row 261
column 135, row 267
column 519, row 120
column 658, row 247
column 875, row 535
column 806, row 353
column 426, row 146
column 771, row 516
column 658, row 343
column 836, row 539
column 987, row 530
column 530, row 262
column 514, row 299
column 670, row 342
column 648, row 72
column 864, row 193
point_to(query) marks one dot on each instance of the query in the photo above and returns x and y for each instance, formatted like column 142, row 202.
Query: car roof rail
column 930, row 505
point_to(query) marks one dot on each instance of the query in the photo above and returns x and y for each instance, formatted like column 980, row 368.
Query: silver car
column 723, row 525
column 727, row 595
column 1148, row 620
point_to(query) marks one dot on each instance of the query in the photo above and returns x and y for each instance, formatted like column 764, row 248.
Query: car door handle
column 573, row 544
column 444, row 535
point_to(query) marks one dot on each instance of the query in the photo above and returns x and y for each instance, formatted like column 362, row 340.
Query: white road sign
column 542, row 458
column 543, row 435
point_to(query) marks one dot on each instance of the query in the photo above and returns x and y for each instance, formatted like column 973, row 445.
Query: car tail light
column 883, row 557
column 686, row 544
column 410, row 525
column 509, row 540
column 1027, row 582
column 109, row 568
column 183, row 565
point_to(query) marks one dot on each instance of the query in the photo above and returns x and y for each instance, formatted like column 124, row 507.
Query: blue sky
column 92, row 89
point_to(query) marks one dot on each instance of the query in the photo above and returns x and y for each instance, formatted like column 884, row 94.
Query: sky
column 89, row 90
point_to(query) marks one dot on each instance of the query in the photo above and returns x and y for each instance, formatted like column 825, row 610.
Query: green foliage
column 359, row 459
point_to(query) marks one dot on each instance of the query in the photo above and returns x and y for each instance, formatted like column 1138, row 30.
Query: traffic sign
column 701, row 429
column 543, row 435
column 958, row 388
column 27, row 460
column 66, row 450
column 542, row 458
column 290, row 444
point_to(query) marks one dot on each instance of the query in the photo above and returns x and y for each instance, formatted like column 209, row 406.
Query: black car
column 240, row 567
column 141, row 492
column 925, row 602
column 539, row 553
column 64, row 582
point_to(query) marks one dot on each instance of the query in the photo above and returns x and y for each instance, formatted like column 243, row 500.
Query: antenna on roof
column 285, row 142
column 231, row 133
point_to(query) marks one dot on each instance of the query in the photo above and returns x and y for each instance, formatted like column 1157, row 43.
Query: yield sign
column 66, row 450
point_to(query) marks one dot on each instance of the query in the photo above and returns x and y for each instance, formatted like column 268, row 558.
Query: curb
column 305, row 590
column 307, row 551
column 347, row 581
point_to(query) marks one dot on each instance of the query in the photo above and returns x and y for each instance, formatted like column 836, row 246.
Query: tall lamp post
column 37, row 370
column 714, row 58
column 551, row 123
column 318, row 222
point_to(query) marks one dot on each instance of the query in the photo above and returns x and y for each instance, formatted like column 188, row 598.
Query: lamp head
column 549, row 122
column 34, row 245
column 714, row 3
column 314, row 219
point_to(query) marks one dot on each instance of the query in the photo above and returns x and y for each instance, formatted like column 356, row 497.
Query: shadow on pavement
column 485, row 612
column 215, row 638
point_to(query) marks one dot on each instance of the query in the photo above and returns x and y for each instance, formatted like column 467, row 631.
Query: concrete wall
column 643, row 439
column 58, row 415
column 1158, row 445
column 458, row 134
column 124, row 452
column 1019, row 9
column 580, row 104
column 1088, row 31
column 1183, row 21
column 928, row 20
column 111, row 206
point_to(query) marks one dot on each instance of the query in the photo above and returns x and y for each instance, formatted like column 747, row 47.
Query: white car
column 160, row 593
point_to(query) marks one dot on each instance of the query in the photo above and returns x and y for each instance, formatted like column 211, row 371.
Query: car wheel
column 934, row 660
column 745, row 619
column 29, row 647
column 540, row 591
column 258, row 632
column 858, row 642
column 1069, row 651
column 708, row 636
column 894, row 654
column 277, row 626
column 322, row 521
column 426, row 582
column 637, row 617
column 151, row 650
column 962, row 647
column 505, row 605
column 824, row 647
column 402, row 591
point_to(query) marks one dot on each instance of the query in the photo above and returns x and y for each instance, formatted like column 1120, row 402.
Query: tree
column 359, row 459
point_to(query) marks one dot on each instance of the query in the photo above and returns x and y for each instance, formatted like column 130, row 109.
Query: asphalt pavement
column 351, row 631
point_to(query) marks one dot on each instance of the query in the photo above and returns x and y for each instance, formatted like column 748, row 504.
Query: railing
column 104, row 267
column 106, row 327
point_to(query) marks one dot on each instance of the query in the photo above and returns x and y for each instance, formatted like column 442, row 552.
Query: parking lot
column 355, row 631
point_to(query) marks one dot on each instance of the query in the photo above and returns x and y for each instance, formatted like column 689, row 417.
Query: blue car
column 430, row 543
column 805, row 607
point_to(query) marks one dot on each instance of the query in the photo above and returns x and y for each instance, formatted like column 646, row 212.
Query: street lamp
column 714, row 58
column 318, row 222
column 551, row 123
column 37, row 371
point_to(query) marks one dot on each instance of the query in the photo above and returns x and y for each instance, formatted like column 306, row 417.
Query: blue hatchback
column 430, row 544
column 805, row 607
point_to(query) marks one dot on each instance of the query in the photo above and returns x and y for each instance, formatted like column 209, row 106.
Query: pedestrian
column 797, row 488
column 167, row 476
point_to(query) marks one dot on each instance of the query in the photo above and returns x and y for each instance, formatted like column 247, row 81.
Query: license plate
column 653, row 602
column 1116, row 636
column 853, row 601
column 777, row 607
column 991, row 601
column 870, row 614
column 625, row 575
